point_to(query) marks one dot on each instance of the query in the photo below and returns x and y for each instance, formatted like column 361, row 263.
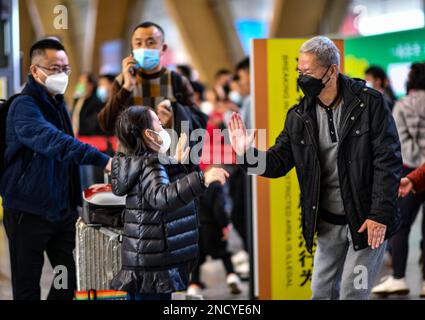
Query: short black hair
column 148, row 24
column 416, row 76
column 243, row 65
column 108, row 76
column 91, row 78
column 199, row 88
column 40, row 47
column 377, row 72
column 185, row 70
column 222, row 72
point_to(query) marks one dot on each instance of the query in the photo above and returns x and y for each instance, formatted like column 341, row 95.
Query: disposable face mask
column 102, row 94
column 56, row 83
column 207, row 107
column 148, row 59
column 369, row 84
column 235, row 97
column 166, row 140
column 311, row 86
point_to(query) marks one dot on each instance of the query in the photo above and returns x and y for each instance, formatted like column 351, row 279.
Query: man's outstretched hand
column 375, row 233
column 239, row 137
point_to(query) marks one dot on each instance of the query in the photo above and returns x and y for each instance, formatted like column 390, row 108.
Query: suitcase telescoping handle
column 107, row 178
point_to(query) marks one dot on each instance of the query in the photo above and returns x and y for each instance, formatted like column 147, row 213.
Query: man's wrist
column 128, row 87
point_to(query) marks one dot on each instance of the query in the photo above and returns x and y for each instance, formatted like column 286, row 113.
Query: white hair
column 323, row 48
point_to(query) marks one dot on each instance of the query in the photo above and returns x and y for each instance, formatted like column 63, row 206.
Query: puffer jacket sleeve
column 163, row 195
column 125, row 173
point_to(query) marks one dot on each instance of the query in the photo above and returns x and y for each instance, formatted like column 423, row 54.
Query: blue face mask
column 147, row 59
column 102, row 94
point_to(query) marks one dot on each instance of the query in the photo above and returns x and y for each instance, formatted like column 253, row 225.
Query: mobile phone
column 133, row 70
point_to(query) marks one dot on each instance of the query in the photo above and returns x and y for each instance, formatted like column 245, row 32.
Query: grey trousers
column 339, row 272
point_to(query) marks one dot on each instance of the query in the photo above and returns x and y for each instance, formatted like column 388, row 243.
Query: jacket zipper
column 318, row 175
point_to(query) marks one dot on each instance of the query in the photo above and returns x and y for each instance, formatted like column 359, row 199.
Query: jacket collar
column 34, row 88
column 349, row 87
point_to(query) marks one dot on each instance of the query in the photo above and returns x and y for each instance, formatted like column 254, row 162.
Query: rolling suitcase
column 97, row 255
column 101, row 207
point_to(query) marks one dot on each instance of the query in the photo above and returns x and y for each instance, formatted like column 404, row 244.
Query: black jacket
column 89, row 125
column 42, row 175
column 214, row 212
column 214, row 206
column 369, row 160
column 160, row 240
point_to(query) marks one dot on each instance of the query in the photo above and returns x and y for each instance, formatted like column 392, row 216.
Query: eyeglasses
column 55, row 69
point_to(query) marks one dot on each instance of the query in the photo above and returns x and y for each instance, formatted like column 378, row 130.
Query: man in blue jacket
column 40, row 185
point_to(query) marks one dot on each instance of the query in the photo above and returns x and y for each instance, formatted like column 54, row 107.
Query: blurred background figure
column 104, row 86
column 198, row 87
column 235, row 95
column 214, row 211
column 221, row 85
column 377, row 79
column 218, row 151
column 89, row 99
column 244, row 79
column 409, row 114
column 239, row 182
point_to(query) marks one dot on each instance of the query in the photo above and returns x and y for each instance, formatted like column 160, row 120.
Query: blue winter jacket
column 42, row 156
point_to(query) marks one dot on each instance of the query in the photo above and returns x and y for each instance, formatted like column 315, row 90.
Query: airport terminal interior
column 236, row 56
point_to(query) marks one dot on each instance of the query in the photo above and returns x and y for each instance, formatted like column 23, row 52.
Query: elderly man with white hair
column 343, row 142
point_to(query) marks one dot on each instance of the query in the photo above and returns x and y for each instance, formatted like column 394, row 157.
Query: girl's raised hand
column 182, row 151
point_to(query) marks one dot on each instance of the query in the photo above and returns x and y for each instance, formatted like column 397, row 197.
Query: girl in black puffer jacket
column 160, row 241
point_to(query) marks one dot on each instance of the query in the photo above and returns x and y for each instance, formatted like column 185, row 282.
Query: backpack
column 4, row 109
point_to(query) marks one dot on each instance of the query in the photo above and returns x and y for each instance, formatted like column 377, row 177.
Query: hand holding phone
column 129, row 72
column 164, row 111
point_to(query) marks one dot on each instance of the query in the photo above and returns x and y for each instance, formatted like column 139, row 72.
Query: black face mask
column 312, row 86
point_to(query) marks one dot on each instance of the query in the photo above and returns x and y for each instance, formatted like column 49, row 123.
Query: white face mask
column 56, row 83
column 369, row 84
column 235, row 97
column 207, row 107
column 166, row 140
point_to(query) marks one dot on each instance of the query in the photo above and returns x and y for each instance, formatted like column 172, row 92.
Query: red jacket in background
column 418, row 178
column 215, row 151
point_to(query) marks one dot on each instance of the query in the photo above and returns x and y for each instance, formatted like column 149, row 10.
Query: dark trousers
column 211, row 244
column 238, row 192
column 196, row 273
column 29, row 237
column 409, row 208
